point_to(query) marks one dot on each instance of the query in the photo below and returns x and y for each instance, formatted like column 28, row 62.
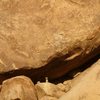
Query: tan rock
column 61, row 86
column 68, row 85
column 18, row 88
column 48, row 98
column 35, row 32
column 48, row 89
column 86, row 86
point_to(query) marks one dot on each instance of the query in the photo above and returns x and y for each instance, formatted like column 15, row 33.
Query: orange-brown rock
column 53, row 35
column 18, row 88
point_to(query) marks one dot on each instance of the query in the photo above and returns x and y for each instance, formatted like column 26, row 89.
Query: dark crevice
column 56, row 68
column 70, row 74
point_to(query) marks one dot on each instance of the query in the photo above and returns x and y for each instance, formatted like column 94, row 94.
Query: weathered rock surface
column 48, row 98
column 48, row 91
column 86, row 86
column 62, row 33
column 18, row 88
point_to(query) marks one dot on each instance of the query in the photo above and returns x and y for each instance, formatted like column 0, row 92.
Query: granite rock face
column 18, row 88
column 34, row 33
column 86, row 86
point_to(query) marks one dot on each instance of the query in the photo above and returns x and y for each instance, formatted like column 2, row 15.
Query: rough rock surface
column 86, row 86
column 62, row 33
column 18, row 88
column 48, row 98
column 48, row 90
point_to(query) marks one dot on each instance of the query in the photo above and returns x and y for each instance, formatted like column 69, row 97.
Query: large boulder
column 50, row 35
column 18, row 88
column 86, row 86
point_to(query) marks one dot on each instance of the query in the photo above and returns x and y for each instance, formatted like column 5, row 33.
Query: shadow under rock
column 56, row 68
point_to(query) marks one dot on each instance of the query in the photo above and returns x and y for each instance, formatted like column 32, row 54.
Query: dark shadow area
column 56, row 68
column 70, row 75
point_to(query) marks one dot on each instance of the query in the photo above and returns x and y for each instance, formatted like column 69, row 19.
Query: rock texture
column 55, row 35
column 47, row 90
column 18, row 88
column 86, row 86
column 48, row 98
column 83, row 86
